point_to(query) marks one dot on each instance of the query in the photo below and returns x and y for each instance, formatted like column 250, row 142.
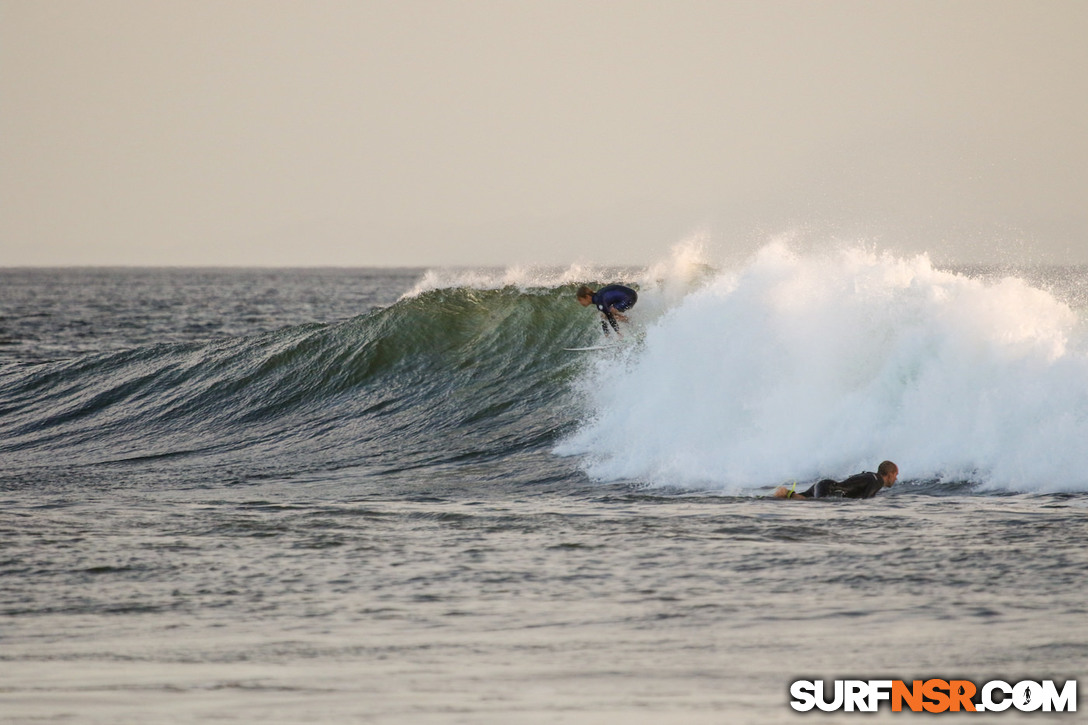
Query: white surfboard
column 594, row 347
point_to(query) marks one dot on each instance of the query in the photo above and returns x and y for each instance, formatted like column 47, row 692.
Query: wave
column 787, row 366
column 804, row 366
column 447, row 374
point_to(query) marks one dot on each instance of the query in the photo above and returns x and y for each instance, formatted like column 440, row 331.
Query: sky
column 498, row 132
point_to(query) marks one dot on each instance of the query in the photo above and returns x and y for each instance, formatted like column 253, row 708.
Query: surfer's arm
column 610, row 320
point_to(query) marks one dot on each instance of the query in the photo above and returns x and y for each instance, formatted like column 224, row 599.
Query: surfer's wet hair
column 583, row 292
column 887, row 467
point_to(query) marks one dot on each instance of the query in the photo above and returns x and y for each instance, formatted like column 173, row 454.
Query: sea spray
column 799, row 366
column 520, row 278
column 661, row 285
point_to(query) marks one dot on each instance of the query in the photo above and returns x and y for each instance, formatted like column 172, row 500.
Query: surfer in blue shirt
column 612, row 301
column 862, row 485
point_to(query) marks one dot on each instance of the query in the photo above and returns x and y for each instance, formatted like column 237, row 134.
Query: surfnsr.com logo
column 934, row 695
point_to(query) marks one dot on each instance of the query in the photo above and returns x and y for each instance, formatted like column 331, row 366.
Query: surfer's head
column 584, row 295
column 888, row 473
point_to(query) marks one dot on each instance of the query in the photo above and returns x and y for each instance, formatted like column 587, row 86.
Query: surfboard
column 594, row 347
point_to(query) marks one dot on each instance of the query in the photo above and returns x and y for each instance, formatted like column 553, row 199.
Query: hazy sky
column 281, row 132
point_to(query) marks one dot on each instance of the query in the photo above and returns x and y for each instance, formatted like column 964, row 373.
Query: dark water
column 293, row 496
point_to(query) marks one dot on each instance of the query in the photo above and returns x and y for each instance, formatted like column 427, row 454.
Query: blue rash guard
column 613, row 297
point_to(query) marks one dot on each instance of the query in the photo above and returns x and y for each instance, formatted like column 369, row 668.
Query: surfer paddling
column 612, row 301
column 862, row 485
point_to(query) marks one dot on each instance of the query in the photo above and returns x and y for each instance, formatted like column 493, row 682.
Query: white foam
column 684, row 269
column 805, row 365
column 520, row 277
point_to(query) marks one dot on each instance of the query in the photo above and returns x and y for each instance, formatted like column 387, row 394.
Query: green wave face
column 447, row 375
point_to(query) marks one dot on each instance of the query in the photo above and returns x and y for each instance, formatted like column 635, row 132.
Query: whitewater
column 391, row 496
column 805, row 367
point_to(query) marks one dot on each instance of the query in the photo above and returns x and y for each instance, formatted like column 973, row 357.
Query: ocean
column 391, row 496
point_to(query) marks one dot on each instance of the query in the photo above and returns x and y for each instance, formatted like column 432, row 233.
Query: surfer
column 612, row 301
column 862, row 485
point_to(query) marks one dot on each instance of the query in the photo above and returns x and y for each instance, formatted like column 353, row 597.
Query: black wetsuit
column 862, row 485
column 613, row 296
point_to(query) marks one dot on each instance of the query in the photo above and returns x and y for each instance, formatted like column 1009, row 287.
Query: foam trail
column 802, row 366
